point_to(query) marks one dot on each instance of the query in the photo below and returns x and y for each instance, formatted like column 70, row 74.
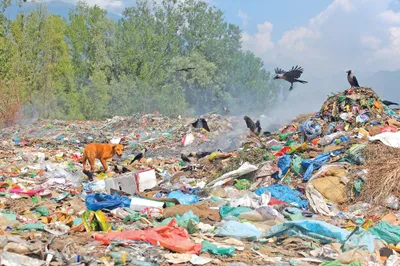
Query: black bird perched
column 187, row 69
column 139, row 156
column 254, row 127
column 201, row 123
column 388, row 103
column 185, row 158
column 290, row 76
column 352, row 79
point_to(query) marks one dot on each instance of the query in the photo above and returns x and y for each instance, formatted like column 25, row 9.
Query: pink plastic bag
column 170, row 236
column 388, row 129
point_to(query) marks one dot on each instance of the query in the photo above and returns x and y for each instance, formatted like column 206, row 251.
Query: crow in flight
column 290, row 76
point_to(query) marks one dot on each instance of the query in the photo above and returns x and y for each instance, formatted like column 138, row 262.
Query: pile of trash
column 319, row 191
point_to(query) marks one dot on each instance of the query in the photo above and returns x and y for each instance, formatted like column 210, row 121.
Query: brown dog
column 102, row 152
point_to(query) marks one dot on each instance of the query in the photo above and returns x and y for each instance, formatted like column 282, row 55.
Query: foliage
column 176, row 57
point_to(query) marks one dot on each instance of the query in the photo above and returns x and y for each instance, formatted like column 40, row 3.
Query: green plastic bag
column 337, row 263
column 285, row 136
column 242, row 184
column 33, row 226
column 296, row 164
column 188, row 221
column 387, row 232
column 226, row 211
column 209, row 247
column 42, row 211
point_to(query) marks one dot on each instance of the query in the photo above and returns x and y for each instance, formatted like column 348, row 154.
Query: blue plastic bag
column 238, row 230
column 99, row 201
column 311, row 129
column 324, row 233
column 183, row 198
column 314, row 164
column 283, row 165
column 284, row 193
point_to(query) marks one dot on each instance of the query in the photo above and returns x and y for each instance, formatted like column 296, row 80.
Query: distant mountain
column 56, row 7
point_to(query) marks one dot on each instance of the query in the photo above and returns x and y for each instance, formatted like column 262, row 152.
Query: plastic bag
column 387, row 232
column 284, row 193
column 242, row 170
column 99, row 201
column 95, row 221
column 283, row 165
column 171, row 237
column 296, row 164
column 354, row 154
column 391, row 139
column 226, row 211
column 209, row 247
column 243, row 184
column 314, row 164
column 324, row 233
column 188, row 221
column 311, row 129
column 329, row 138
column 183, row 198
column 238, row 230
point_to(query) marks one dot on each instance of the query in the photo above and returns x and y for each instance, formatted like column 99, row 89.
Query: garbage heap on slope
column 320, row 191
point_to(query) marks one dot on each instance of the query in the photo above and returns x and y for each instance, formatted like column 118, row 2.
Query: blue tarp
column 324, row 233
column 183, row 198
column 99, row 201
column 284, row 193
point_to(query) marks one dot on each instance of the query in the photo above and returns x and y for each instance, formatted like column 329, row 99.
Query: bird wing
column 205, row 125
column 355, row 81
column 294, row 73
column 196, row 124
column 249, row 123
column 279, row 71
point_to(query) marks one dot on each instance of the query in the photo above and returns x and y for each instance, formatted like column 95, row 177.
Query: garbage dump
column 323, row 190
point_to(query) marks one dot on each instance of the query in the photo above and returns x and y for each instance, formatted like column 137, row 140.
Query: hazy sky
column 320, row 35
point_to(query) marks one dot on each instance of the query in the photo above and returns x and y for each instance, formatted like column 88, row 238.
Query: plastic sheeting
column 183, row 198
column 238, row 230
column 324, row 233
column 284, row 193
column 387, row 232
column 314, row 164
column 391, row 139
column 100, row 201
column 171, row 237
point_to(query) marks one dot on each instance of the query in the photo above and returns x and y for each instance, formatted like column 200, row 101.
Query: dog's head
column 118, row 149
